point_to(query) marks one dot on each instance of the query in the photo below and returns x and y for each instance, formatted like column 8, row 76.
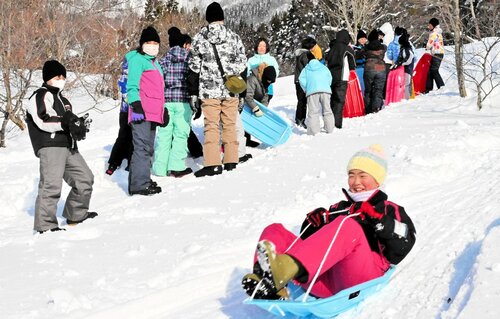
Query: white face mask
column 58, row 84
column 151, row 49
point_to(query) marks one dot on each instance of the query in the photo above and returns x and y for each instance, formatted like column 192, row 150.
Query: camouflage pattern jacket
column 202, row 59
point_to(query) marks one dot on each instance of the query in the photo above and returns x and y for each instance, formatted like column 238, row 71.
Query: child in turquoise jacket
column 315, row 79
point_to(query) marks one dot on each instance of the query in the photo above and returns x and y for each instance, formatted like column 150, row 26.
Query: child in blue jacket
column 315, row 79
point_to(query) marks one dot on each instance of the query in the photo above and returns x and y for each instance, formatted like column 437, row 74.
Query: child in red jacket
column 353, row 241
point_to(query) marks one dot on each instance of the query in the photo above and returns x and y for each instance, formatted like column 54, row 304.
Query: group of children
column 155, row 119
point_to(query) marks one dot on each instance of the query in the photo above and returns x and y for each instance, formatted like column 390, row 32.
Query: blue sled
column 322, row 307
column 360, row 72
column 270, row 128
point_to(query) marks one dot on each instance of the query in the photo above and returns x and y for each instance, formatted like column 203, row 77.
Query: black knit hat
column 149, row 34
column 361, row 34
column 175, row 37
column 373, row 35
column 434, row 22
column 51, row 69
column 269, row 75
column 214, row 12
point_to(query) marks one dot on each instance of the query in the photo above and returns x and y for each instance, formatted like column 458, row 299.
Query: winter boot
column 229, row 166
column 150, row 190
column 259, row 288
column 279, row 268
column 178, row 174
column 90, row 215
column 209, row 171
column 111, row 169
column 249, row 141
column 52, row 230
column 245, row 158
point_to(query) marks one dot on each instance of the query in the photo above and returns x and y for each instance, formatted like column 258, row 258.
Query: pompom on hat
column 371, row 160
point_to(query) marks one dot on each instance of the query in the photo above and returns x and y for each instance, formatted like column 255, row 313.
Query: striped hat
column 370, row 160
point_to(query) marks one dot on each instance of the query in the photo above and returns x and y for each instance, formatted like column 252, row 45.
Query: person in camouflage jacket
column 218, row 104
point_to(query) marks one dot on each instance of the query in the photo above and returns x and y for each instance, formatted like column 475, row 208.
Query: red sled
column 395, row 90
column 420, row 73
column 354, row 104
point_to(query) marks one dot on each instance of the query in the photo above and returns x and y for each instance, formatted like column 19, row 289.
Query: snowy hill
column 181, row 254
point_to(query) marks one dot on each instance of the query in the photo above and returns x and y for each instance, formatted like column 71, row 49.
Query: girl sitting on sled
column 354, row 241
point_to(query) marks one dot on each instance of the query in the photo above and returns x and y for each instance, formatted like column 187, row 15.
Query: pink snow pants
column 350, row 261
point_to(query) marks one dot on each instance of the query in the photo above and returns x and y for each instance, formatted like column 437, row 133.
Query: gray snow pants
column 143, row 139
column 56, row 164
column 318, row 104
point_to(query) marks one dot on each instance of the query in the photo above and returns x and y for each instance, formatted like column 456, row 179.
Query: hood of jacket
column 343, row 37
column 176, row 54
column 314, row 65
column 216, row 33
column 437, row 29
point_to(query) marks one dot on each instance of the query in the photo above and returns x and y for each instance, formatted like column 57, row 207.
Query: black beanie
column 51, row 69
column 373, row 35
column 149, row 34
column 175, row 37
column 434, row 22
column 214, row 12
column 269, row 75
column 361, row 34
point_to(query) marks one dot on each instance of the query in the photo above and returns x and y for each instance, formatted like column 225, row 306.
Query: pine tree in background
column 154, row 10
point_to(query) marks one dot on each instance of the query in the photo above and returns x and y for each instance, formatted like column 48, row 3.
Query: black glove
column 241, row 104
column 138, row 115
column 166, row 118
column 75, row 125
column 86, row 121
column 318, row 217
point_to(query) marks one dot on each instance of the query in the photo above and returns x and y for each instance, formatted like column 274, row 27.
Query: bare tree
column 482, row 67
column 350, row 14
column 450, row 11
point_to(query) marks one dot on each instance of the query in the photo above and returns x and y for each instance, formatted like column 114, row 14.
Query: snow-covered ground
column 181, row 254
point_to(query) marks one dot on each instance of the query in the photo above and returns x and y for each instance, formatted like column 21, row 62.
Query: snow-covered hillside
column 182, row 253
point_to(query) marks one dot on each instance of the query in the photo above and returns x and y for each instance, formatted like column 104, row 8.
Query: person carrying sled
column 369, row 233
column 171, row 141
column 340, row 60
column 435, row 47
column 213, row 44
column 393, row 47
column 54, row 131
column 145, row 93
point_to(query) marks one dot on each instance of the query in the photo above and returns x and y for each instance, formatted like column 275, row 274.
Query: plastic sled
column 360, row 72
column 322, row 307
column 420, row 73
column 354, row 103
column 270, row 128
column 395, row 89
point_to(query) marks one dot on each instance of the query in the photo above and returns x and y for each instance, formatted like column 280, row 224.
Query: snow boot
column 258, row 287
column 209, row 171
column 90, row 215
column 111, row 169
column 52, row 230
column 229, row 166
column 279, row 268
column 150, row 190
column 245, row 158
column 178, row 174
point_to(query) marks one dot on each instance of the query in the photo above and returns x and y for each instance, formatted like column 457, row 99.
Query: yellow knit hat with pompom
column 370, row 160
